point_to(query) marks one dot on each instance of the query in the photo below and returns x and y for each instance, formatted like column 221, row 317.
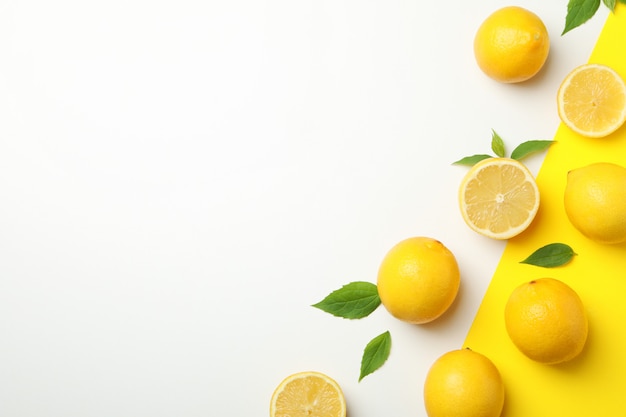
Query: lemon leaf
column 610, row 4
column 550, row 256
column 529, row 147
column 578, row 12
column 375, row 354
column 497, row 144
column 352, row 301
column 472, row 160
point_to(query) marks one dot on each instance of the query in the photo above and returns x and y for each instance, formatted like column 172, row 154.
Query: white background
column 181, row 180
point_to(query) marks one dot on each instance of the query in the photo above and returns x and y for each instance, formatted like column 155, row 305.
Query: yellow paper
column 594, row 383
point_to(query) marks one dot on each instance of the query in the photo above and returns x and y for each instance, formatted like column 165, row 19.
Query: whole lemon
column 511, row 45
column 418, row 280
column 595, row 201
column 463, row 383
column 546, row 320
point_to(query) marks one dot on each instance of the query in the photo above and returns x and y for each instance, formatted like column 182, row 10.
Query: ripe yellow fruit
column 308, row 394
column 595, row 201
column 511, row 45
column 546, row 320
column 499, row 198
column 592, row 100
column 418, row 280
column 463, row 383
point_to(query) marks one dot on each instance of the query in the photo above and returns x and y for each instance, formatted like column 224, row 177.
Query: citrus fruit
column 546, row 320
column 511, row 45
column 592, row 100
column 499, row 198
column 308, row 394
column 463, row 383
column 595, row 201
column 418, row 280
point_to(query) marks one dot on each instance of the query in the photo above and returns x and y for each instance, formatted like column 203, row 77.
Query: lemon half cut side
column 592, row 100
column 499, row 198
column 308, row 394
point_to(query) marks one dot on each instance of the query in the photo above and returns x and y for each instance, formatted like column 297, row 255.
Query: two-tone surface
column 181, row 180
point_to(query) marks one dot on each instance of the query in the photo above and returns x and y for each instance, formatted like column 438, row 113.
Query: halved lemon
column 592, row 100
column 308, row 394
column 499, row 198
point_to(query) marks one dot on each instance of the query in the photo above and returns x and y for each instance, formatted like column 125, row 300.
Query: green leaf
column 375, row 354
column 578, row 12
column 472, row 160
column 610, row 4
column 549, row 256
column 526, row 148
column 352, row 301
column 497, row 144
